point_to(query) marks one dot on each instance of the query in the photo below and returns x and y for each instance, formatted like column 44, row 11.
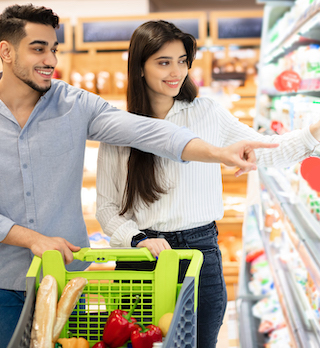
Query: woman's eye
column 184, row 61
column 164, row 63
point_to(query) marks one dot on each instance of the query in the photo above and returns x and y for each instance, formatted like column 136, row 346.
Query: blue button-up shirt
column 41, row 165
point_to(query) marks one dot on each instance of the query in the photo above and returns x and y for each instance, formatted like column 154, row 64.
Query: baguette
column 45, row 313
column 68, row 300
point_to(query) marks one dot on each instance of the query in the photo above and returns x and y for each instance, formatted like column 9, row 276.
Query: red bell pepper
column 100, row 344
column 145, row 336
column 118, row 328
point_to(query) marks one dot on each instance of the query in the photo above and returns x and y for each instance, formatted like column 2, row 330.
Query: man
column 44, row 126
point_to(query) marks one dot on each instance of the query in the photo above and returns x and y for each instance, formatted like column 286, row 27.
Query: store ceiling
column 200, row 5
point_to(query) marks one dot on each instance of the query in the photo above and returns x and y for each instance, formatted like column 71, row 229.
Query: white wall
column 87, row 8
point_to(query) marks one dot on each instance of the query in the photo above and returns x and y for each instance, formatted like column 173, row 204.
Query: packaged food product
column 45, row 313
column 89, row 82
column 271, row 322
column 103, row 82
column 120, row 82
column 76, row 79
column 269, row 218
column 266, row 305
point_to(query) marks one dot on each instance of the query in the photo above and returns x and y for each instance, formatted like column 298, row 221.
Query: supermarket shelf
column 92, row 223
column 278, row 191
column 302, row 226
column 302, row 324
column 305, row 28
column 300, row 230
column 229, row 76
column 249, row 325
column 301, row 321
column 308, row 242
column 89, row 179
column 92, row 143
column 244, row 272
column 313, row 92
column 109, row 97
column 230, row 226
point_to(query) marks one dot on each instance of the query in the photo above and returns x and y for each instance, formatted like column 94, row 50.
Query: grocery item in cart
column 68, row 300
column 45, row 313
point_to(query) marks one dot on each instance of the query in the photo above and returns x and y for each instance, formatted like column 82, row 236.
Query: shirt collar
column 50, row 91
column 178, row 106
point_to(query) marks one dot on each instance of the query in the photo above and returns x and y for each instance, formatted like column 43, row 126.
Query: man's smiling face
column 35, row 57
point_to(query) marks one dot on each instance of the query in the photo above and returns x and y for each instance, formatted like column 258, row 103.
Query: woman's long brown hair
column 143, row 168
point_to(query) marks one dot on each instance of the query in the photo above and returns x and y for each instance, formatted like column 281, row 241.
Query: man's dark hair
column 14, row 18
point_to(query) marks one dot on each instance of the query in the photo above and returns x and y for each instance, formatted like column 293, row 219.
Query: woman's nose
column 175, row 71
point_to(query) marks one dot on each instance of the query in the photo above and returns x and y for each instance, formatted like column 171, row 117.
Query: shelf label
column 310, row 171
column 278, row 127
column 287, row 81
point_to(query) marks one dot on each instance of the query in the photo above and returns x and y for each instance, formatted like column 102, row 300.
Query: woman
column 142, row 197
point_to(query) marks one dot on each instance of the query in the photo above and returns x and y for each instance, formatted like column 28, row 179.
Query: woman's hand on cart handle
column 38, row 243
column 154, row 245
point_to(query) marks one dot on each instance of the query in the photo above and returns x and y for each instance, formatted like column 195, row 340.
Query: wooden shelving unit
column 89, row 181
column 114, row 33
column 242, row 28
column 65, row 39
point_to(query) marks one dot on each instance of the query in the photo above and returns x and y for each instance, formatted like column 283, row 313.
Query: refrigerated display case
column 285, row 211
column 290, row 244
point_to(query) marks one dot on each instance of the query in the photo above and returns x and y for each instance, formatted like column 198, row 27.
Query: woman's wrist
column 315, row 130
column 137, row 239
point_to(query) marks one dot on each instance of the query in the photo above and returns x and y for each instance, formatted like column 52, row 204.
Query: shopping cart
column 107, row 290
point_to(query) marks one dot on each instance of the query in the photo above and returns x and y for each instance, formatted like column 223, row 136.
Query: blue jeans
column 11, row 303
column 212, row 289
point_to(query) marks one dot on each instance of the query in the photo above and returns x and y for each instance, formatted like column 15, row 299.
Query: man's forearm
column 201, row 151
column 21, row 236
column 38, row 243
column 240, row 154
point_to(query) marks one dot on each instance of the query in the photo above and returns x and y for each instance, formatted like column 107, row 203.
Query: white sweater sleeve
column 111, row 181
column 293, row 147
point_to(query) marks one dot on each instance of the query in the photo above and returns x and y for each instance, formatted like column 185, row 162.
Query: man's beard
column 19, row 73
column 35, row 86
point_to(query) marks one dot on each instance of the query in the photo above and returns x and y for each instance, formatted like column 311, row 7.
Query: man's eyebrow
column 44, row 43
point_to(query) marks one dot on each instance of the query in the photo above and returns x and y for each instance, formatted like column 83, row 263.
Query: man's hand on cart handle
column 38, row 243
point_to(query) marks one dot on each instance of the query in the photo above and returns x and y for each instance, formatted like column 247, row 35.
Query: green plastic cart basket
column 107, row 290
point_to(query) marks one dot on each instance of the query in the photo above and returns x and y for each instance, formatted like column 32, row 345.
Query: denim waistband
column 159, row 234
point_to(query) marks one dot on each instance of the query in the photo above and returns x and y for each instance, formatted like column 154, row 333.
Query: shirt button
column 25, row 166
column 31, row 221
column 28, row 193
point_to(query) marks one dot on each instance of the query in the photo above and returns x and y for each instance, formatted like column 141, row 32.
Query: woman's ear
column 142, row 73
column 6, row 51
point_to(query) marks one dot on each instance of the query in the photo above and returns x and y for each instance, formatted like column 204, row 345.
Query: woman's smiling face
column 165, row 71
